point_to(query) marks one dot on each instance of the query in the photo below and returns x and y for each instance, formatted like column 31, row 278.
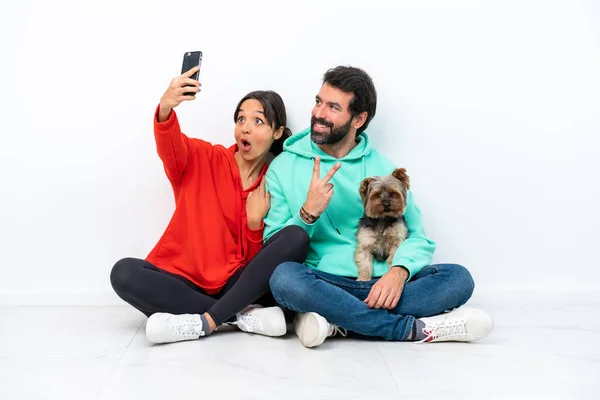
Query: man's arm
column 416, row 252
column 413, row 254
column 280, row 215
column 319, row 195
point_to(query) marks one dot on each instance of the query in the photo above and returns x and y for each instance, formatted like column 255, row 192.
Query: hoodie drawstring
column 364, row 168
column 332, row 224
column 364, row 165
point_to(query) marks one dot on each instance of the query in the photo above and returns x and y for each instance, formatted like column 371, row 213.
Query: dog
column 382, row 228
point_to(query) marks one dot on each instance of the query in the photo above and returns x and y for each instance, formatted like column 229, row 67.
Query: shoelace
column 336, row 329
column 249, row 322
column 189, row 327
column 454, row 330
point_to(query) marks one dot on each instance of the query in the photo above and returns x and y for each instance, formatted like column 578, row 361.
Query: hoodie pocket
column 339, row 263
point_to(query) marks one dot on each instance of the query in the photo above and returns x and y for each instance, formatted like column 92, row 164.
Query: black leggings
column 151, row 289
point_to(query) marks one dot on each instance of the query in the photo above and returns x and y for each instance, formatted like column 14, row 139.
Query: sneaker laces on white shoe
column 464, row 324
column 246, row 321
column 268, row 321
column 168, row 328
column 452, row 330
column 334, row 330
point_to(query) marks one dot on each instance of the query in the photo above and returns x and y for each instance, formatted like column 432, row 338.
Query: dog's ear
column 400, row 174
column 364, row 189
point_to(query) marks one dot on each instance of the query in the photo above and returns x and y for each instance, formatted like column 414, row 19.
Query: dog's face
column 385, row 196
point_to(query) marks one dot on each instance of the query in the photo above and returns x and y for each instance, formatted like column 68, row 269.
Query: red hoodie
column 208, row 238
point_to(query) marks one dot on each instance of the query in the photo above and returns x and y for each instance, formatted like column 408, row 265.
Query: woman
column 210, row 264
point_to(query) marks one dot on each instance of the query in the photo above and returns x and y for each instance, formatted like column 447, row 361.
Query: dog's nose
column 386, row 203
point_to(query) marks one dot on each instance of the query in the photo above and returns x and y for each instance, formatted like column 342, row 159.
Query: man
column 314, row 184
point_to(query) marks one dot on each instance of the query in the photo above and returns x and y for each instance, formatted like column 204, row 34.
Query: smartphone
column 191, row 59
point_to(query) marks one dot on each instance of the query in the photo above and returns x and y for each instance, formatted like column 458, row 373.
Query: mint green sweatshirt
column 333, row 235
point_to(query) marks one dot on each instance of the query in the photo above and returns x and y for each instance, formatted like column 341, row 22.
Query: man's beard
column 335, row 135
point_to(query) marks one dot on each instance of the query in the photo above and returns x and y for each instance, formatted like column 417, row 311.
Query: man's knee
column 282, row 277
column 465, row 285
column 284, row 281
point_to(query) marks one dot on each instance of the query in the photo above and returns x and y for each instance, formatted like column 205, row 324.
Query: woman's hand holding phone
column 176, row 93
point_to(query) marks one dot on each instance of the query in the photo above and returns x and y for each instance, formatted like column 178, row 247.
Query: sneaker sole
column 153, row 331
column 479, row 325
column 308, row 329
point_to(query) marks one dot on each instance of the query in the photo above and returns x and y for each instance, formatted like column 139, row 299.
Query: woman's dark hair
column 275, row 115
column 356, row 81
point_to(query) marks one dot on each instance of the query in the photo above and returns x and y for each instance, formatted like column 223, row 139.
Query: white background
column 493, row 107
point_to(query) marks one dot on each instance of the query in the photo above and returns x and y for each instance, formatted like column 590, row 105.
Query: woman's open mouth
column 245, row 145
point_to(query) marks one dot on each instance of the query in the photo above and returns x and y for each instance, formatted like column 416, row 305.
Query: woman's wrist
column 164, row 113
column 254, row 225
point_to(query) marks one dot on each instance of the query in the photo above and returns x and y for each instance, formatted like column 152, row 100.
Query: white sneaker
column 268, row 321
column 312, row 329
column 169, row 328
column 465, row 324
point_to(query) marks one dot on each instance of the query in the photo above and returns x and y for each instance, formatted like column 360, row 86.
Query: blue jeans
column 433, row 290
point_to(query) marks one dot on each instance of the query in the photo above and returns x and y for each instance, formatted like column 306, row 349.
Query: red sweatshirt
column 208, row 238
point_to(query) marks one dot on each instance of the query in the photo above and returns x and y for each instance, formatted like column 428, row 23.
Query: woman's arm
column 172, row 145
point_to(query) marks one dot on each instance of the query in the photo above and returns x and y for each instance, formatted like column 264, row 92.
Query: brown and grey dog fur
column 382, row 227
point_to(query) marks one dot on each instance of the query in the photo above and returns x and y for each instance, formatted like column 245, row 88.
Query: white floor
column 535, row 352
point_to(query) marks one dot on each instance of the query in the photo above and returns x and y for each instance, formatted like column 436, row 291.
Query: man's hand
column 320, row 190
column 388, row 289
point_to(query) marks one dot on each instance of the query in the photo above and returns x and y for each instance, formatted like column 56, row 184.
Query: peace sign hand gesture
column 320, row 190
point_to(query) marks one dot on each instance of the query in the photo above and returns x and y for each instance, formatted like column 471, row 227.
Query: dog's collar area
column 385, row 221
